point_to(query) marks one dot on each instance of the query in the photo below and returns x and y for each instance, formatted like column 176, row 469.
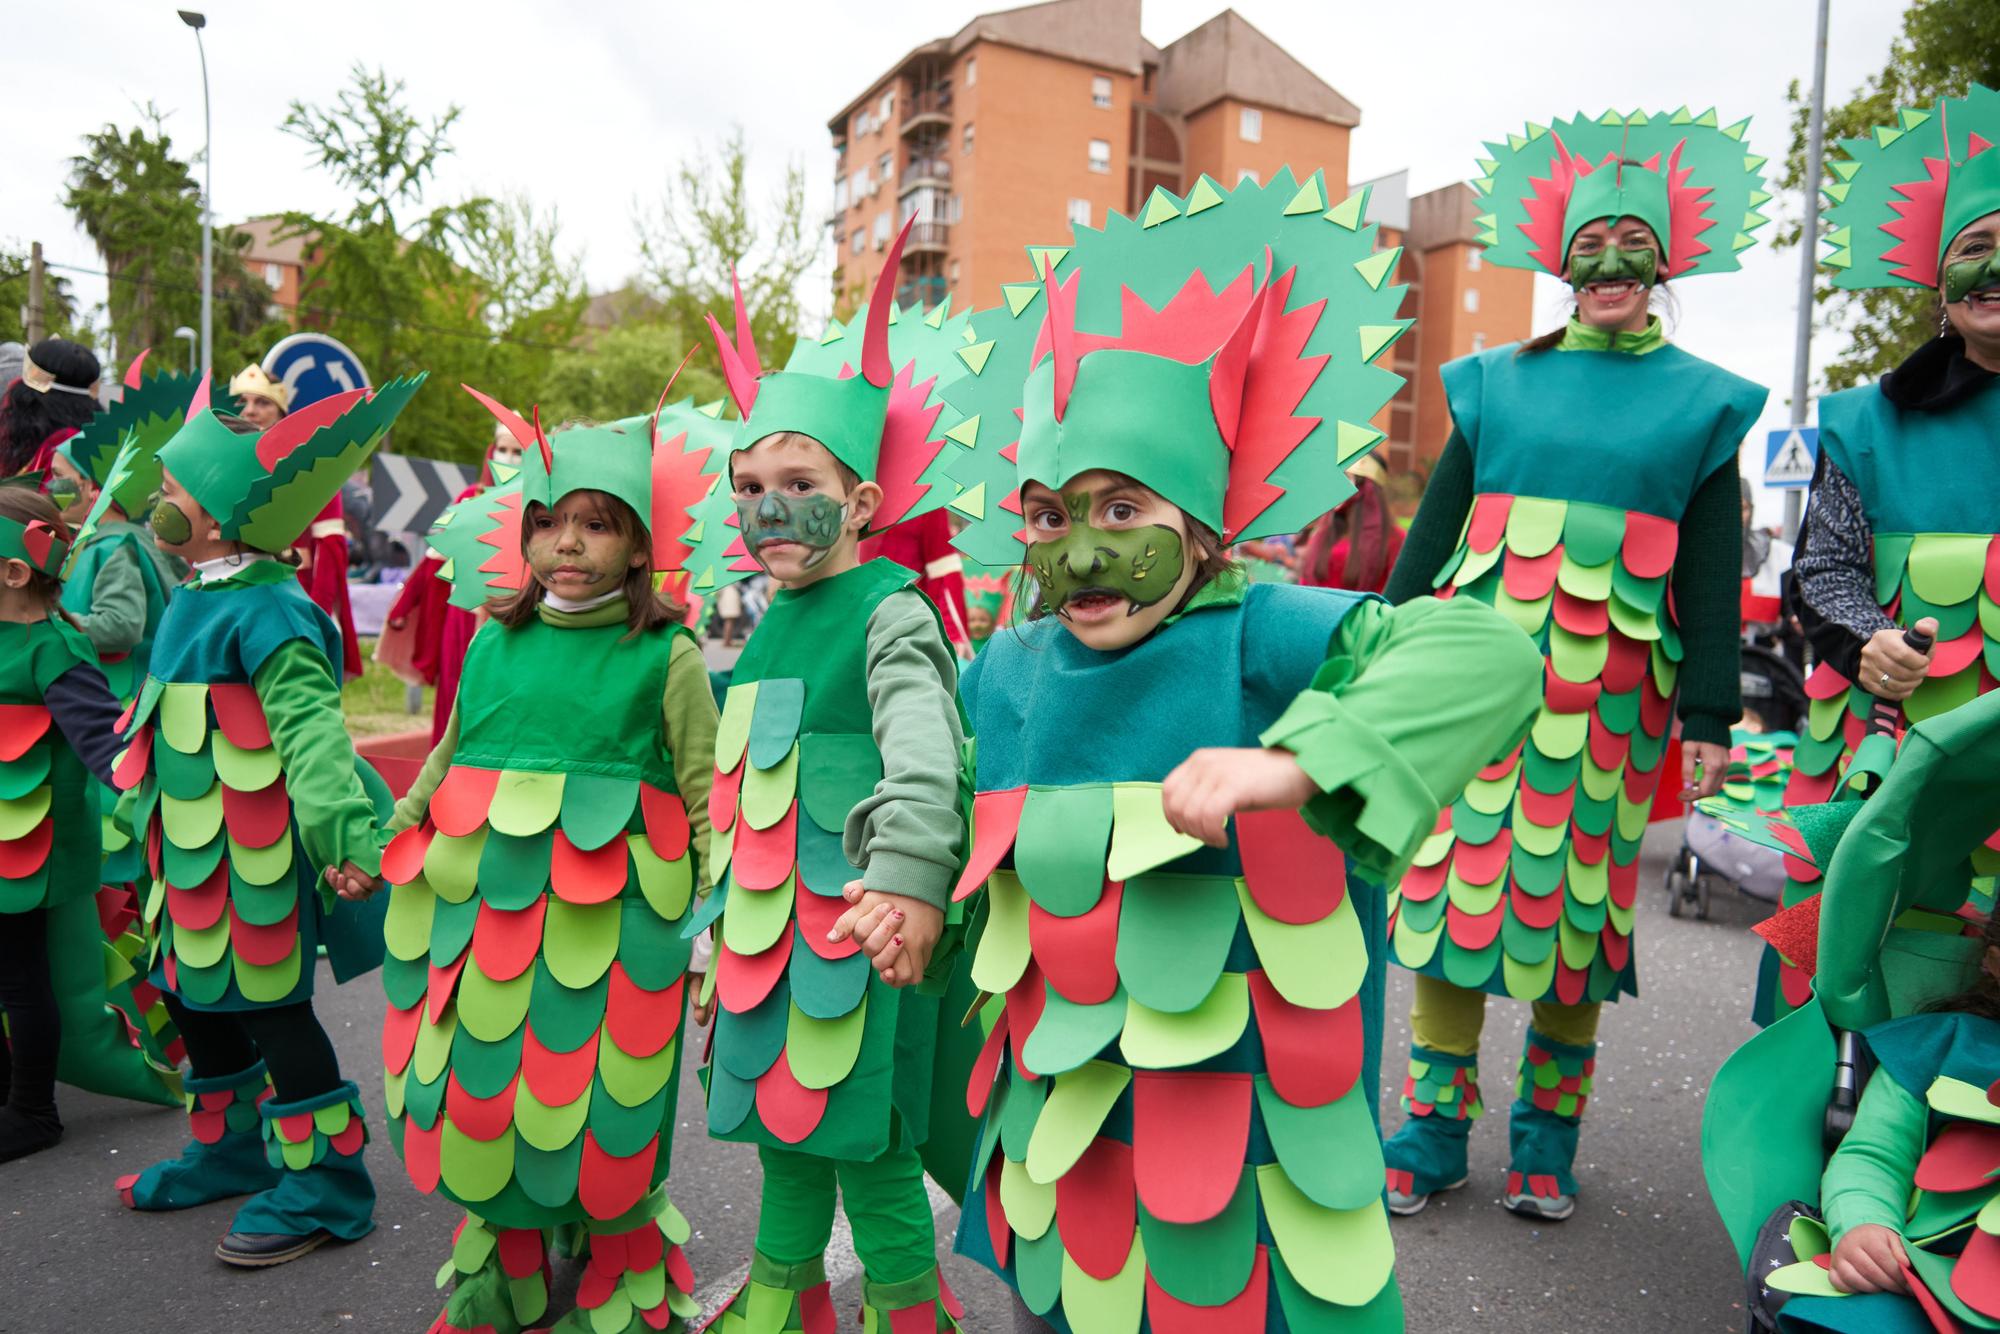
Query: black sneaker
column 261, row 1250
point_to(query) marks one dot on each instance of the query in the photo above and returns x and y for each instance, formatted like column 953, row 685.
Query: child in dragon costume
column 1178, row 1095
column 246, row 786
column 1903, row 532
column 545, row 861
column 1589, row 492
column 57, row 720
column 838, row 760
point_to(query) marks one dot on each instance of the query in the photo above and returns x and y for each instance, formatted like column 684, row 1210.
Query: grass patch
column 376, row 701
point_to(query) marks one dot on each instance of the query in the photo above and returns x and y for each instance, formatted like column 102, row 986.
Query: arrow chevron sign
column 410, row 493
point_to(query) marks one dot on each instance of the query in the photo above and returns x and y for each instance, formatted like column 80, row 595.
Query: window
column 952, row 270
column 1246, row 174
column 888, row 167
column 1100, row 90
column 1079, row 212
column 887, row 109
column 881, row 230
column 857, row 239
column 1474, row 258
column 839, row 193
column 1479, row 342
column 1250, row 125
column 1472, row 300
column 971, row 73
column 1100, row 155
column 274, row 276
column 967, row 138
column 864, row 185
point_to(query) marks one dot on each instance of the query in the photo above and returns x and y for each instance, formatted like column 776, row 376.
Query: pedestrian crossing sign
column 1789, row 455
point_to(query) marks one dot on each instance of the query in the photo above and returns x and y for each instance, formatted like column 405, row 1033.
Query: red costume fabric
column 923, row 546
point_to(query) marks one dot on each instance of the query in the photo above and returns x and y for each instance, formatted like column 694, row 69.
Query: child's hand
column 351, row 882
column 1869, row 1258
column 1212, row 784
column 896, row 933
column 699, row 1010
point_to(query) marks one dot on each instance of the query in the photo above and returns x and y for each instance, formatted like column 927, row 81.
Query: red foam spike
column 1245, row 1313
column 1541, row 912
column 506, row 941
column 1650, row 541
column 136, row 371
column 257, row 819
column 403, row 859
column 1079, row 954
column 461, row 801
column 557, row 1078
column 240, row 715
column 1823, row 682
column 876, row 367
column 21, row 726
column 642, row 1022
column 1528, row 578
column 1581, row 616
column 816, row 915
column 1060, row 331
column 598, row 876
column 789, row 1109
column 1794, row 933
column 1489, row 522
column 1473, row 931
column 1229, row 370
column 996, row 817
column 483, row 1119
column 742, row 981
column 264, row 945
column 1026, row 1000
column 723, row 796
column 997, row 1230
column 293, row 430
column 399, row 1036
column 1312, row 1056
column 986, row 1069
column 1097, row 1208
column 442, row 986
column 1482, row 863
column 764, row 858
column 22, row 857
column 666, row 819
column 517, row 425
column 1294, row 875
column 816, row 1314
column 607, row 1187
column 1190, row 1134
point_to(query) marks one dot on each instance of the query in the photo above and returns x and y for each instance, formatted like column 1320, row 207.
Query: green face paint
column 1967, row 276
column 1140, row 565
column 62, row 491
column 815, row 521
column 170, row 524
column 1613, row 265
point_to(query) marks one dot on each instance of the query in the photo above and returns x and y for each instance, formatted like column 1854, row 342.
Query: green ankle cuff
column 799, row 1277
column 916, row 1291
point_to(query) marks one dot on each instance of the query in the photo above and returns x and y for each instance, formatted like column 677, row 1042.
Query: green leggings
column 885, row 1201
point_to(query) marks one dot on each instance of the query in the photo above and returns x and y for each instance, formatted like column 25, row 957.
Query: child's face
column 979, row 622
column 72, row 492
column 181, row 527
column 1112, row 558
column 573, row 549
column 260, row 412
column 800, row 521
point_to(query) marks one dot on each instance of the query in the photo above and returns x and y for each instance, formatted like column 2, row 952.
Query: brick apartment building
column 1027, row 119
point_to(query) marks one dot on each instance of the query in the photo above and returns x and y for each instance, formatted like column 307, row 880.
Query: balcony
column 925, row 171
column 925, row 291
column 932, row 238
column 931, row 107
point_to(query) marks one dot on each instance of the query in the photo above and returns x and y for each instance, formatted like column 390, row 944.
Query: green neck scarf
column 611, row 613
column 1581, row 337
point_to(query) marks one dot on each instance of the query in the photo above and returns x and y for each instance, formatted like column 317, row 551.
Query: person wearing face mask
column 1589, row 490
column 1902, row 525
column 1192, row 789
column 322, row 548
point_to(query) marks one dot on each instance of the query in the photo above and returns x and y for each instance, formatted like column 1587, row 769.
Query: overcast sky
column 590, row 106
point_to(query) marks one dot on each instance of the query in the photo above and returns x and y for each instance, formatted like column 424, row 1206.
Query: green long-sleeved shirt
column 116, row 621
column 907, row 834
column 687, row 715
column 301, row 700
column 1869, row 1177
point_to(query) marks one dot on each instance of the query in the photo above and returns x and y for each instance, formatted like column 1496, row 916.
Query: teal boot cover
column 1441, row 1094
column 315, row 1146
column 225, row 1157
column 1549, row 1098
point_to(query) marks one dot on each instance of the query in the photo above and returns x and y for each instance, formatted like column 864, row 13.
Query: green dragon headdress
column 1219, row 348
column 1681, row 173
column 264, row 489
column 1905, row 191
column 35, row 542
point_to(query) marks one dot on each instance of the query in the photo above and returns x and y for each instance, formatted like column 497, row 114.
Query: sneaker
column 1403, row 1197
column 261, row 1250
column 1537, row 1197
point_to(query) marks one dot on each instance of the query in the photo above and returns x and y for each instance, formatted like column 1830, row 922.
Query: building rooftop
column 1229, row 57
column 1444, row 216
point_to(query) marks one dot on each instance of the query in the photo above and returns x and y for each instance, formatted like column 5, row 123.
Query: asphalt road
column 1643, row 1252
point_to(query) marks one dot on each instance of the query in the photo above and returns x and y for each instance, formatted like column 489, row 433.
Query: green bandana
column 1140, row 565
column 1614, row 264
column 1968, row 276
column 813, row 521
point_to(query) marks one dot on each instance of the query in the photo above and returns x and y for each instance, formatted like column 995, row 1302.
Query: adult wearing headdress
column 1589, row 491
column 55, row 396
column 322, row 548
column 1903, row 521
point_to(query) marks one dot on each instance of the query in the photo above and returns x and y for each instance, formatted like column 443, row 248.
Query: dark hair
column 1983, row 996
column 24, row 507
column 848, row 477
column 28, row 417
column 646, row 607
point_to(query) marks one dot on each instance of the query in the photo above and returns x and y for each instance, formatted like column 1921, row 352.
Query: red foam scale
column 1026, row 1000
column 1245, row 1313
column 461, row 801
column 442, row 986
column 399, row 1036
column 1617, row 949
column 642, row 1022
column 666, row 818
column 506, row 941
column 403, row 859
column 1560, row 696
column 1547, row 810
column 1541, row 912
column 1190, row 1131
column 1483, row 863
column 742, row 981
column 1626, row 662
column 1096, row 1209
column 986, row 1069
column 1608, row 749
column 22, row 857
column 557, row 1078
column 722, row 796
column 264, row 945
column 1825, row 683
column 816, row 1313
column 1078, row 955
column 21, row 726
column 1955, row 655
column 1489, row 522
column 483, row 1119
column 240, row 715
column 996, row 817
column 132, row 765
column 1649, row 544
column 764, row 858
column 789, row 1109
column 1571, row 983
column 1474, row 931
column 521, row 1251
column 1290, row 871
column 817, row 914
column 1529, row 578
column 607, row 1186
column 1581, row 616
column 1421, row 884
column 1976, row 1276
column 597, row 876
column 257, row 819
column 1962, row 1157
column 1312, row 1056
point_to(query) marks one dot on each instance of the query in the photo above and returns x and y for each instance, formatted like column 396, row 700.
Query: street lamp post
column 189, row 334
column 1808, row 259
column 196, row 20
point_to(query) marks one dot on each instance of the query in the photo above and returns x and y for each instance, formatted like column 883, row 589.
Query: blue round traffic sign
column 314, row 366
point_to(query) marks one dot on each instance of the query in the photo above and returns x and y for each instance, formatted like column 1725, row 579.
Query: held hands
column 1212, row 784
column 1869, row 1258
column 350, row 882
column 896, row 933
column 699, row 1010
column 1891, row 669
column 1703, row 764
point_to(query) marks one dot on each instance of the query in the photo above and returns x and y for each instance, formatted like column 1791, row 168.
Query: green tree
column 620, row 374
column 706, row 224
column 532, row 293
column 59, row 315
column 1946, row 45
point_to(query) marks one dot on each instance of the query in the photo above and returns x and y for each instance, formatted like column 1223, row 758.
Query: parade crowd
column 1098, row 741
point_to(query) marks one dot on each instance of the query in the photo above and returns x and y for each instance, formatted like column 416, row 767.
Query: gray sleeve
column 116, row 620
column 1835, row 568
column 906, row 836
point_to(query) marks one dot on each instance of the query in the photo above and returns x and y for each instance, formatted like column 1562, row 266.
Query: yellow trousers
column 1448, row 1018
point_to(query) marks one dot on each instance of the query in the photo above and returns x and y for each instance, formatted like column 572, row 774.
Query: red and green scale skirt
column 1178, row 1110
column 1527, row 886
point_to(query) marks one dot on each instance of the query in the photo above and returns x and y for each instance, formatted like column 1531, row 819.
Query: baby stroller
column 1760, row 764
column 1888, row 935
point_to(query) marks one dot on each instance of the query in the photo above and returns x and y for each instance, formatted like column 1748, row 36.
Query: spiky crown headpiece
column 118, row 448
column 1681, row 173
column 35, row 542
column 1219, row 349
column 660, row 465
column 1904, row 192
column 263, row 489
